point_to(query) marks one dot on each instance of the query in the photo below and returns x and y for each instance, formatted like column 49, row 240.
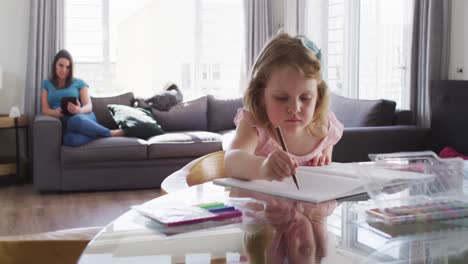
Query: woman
column 80, row 126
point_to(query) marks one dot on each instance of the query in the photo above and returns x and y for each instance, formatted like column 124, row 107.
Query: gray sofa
column 194, row 129
column 375, row 126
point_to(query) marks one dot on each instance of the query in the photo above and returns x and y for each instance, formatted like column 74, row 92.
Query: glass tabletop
column 273, row 230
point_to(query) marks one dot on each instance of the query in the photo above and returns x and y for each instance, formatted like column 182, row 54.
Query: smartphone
column 64, row 102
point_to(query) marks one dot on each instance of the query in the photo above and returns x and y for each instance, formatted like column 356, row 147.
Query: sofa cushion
column 106, row 149
column 102, row 112
column 136, row 122
column 227, row 137
column 183, row 144
column 185, row 116
column 363, row 113
column 221, row 113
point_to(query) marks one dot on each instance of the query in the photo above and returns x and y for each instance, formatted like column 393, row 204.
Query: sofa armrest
column 47, row 141
column 358, row 142
column 403, row 118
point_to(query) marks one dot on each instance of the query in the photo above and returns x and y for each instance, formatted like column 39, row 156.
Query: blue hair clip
column 311, row 46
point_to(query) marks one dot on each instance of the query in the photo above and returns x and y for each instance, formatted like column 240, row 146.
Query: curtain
column 429, row 53
column 46, row 38
column 295, row 20
column 258, row 17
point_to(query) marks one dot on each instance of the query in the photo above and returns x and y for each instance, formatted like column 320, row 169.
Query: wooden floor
column 25, row 211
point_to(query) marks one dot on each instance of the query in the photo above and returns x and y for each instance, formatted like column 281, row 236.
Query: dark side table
column 11, row 169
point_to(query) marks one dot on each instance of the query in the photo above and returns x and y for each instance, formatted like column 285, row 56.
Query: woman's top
column 54, row 94
column 267, row 144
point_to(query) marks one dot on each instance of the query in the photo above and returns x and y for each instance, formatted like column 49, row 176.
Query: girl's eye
column 305, row 98
column 281, row 99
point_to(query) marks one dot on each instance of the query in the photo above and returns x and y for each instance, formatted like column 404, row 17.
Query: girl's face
column 290, row 99
column 62, row 67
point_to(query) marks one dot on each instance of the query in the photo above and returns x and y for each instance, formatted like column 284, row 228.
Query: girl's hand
column 323, row 159
column 58, row 113
column 74, row 109
column 278, row 165
column 300, row 242
column 320, row 160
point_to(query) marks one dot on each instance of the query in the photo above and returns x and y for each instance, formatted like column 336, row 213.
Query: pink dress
column 267, row 144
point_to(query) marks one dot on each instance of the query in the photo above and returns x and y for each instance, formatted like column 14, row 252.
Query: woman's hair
column 284, row 50
column 53, row 74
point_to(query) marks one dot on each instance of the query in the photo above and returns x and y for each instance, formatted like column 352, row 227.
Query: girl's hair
column 53, row 74
column 284, row 50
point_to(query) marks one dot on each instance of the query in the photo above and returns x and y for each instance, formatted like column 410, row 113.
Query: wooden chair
column 198, row 171
column 63, row 246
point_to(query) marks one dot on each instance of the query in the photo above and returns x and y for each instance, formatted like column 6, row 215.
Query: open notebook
column 337, row 181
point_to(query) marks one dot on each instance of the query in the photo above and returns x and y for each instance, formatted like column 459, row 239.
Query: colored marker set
column 177, row 216
column 426, row 212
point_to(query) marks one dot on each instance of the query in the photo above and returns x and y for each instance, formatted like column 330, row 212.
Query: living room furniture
column 201, row 170
column 61, row 247
column 449, row 115
column 12, row 169
column 194, row 129
column 338, row 236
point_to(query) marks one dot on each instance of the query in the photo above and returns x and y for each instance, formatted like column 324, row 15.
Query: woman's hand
column 57, row 113
column 74, row 109
column 278, row 165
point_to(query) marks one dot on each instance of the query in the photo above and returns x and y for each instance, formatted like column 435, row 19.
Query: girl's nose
column 294, row 107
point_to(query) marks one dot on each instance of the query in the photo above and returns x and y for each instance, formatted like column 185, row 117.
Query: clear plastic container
column 408, row 187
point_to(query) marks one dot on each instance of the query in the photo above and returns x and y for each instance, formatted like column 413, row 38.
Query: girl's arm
column 46, row 110
column 85, row 107
column 242, row 163
column 240, row 160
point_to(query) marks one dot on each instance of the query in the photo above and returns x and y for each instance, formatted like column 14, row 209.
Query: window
column 142, row 45
column 366, row 46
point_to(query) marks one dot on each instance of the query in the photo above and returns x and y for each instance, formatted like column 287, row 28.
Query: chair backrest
column 63, row 246
column 207, row 168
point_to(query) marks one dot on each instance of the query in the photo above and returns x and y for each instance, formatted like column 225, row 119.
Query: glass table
column 272, row 230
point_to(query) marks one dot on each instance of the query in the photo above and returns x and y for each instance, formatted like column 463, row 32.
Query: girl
column 80, row 127
column 286, row 91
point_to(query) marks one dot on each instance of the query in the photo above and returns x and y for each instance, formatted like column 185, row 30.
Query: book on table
column 337, row 181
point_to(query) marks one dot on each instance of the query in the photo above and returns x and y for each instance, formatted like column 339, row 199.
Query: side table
column 11, row 168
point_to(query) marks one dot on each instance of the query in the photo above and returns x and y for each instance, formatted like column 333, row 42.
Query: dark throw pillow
column 136, row 122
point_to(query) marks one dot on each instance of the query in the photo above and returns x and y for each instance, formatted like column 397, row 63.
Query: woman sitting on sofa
column 67, row 98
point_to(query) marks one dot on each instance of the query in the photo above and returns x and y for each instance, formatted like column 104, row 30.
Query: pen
column 283, row 145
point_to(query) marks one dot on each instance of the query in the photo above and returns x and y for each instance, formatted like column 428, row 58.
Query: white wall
column 14, row 31
column 459, row 40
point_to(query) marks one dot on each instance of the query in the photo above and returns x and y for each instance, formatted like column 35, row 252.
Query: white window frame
column 351, row 52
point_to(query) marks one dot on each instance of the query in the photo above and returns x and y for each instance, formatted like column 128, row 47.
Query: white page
column 313, row 188
column 319, row 184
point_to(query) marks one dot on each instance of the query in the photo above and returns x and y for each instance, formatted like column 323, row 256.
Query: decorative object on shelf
column 14, row 112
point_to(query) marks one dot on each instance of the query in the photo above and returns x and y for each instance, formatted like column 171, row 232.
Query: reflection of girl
column 290, row 231
column 81, row 127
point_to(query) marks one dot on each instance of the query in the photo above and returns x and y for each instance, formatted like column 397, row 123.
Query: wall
column 14, row 29
column 459, row 40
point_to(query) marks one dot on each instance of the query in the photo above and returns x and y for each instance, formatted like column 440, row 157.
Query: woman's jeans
column 81, row 129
